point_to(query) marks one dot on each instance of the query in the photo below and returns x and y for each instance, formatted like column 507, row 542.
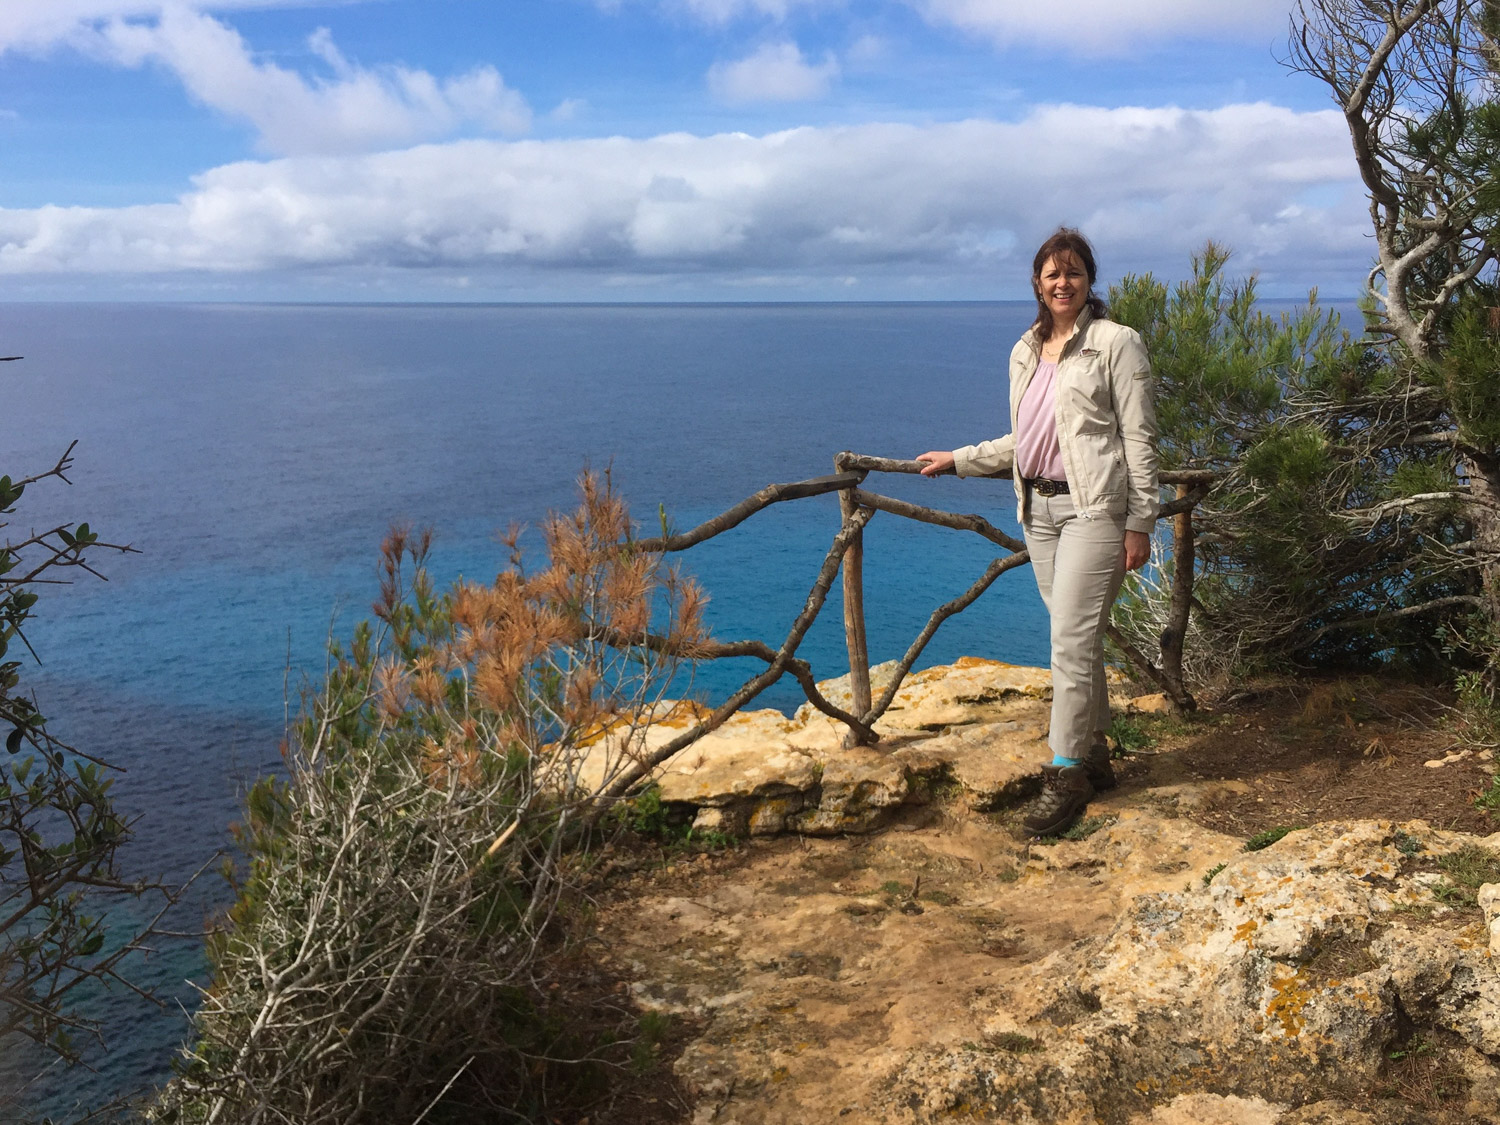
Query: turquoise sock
column 1059, row 760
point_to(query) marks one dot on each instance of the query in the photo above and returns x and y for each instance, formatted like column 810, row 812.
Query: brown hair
column 1066, row 240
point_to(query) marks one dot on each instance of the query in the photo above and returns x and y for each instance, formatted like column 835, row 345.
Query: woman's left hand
column 1137, row 549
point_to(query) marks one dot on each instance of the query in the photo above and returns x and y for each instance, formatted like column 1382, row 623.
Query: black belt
column 1045, row 487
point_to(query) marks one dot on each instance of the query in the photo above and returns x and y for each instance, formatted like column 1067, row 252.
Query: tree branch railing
column 845, row 557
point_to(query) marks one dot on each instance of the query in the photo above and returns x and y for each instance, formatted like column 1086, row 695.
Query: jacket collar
column 1085, row 315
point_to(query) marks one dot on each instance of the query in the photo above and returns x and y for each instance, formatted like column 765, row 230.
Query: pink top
column 1037, row 454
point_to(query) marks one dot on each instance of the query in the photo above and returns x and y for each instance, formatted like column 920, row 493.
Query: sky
column 656, row 150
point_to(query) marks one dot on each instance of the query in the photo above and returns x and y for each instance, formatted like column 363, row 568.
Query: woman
column 1082, row 448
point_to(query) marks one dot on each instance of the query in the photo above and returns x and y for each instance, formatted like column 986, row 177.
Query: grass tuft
column 1087, row 827
column 1131, row 736
column 1469, row 868
column 1270, row 836
column 1015, row 1043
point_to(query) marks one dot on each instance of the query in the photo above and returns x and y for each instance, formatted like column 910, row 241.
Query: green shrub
column 401, row 945
column 1131, row 736
column 60, row 832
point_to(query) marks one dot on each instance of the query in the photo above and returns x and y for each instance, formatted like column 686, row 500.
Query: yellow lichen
column 1286, row 1006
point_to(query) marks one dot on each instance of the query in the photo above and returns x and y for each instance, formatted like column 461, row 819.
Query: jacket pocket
column 1085, row 395
column 1103, row 464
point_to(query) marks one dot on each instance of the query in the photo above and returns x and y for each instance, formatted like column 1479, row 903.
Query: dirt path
column 915, row 974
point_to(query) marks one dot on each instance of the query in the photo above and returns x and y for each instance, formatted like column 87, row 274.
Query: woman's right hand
column 938, row 461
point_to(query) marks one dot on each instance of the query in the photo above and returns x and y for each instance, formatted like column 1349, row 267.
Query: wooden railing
column 845, row 556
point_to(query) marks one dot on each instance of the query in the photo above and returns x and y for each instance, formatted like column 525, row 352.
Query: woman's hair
column 1066, row 240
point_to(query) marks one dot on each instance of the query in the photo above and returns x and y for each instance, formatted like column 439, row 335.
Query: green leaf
column 13, row 740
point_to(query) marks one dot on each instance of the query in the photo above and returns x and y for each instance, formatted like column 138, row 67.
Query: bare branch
column 940, row 518
column 1379, row 511
column 771, row 494
column 1375, row 620
column 938, row 616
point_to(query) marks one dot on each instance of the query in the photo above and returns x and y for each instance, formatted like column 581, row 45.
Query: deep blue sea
column 256, row 455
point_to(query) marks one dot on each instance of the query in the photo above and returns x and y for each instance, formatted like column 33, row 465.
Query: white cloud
column 352, row 108
column 1108, row 26
column 725, row 11
column 960, row 199
column 356, row 109
column 38, row 24
column 776, row 72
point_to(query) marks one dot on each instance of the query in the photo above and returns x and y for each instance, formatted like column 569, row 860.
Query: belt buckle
column 1044, row 487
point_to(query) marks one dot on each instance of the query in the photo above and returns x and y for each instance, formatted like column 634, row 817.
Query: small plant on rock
column 1469, row 868
column 1270, row 836
column 1086, row 827
column 1406, row 844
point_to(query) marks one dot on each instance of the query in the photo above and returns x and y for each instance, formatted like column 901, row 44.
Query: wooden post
column 854, row 614
column 1175, row 634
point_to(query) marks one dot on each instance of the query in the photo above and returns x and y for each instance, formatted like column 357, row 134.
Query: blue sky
column 655, row 149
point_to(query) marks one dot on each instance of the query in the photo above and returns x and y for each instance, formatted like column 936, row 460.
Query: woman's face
column 1063, row 285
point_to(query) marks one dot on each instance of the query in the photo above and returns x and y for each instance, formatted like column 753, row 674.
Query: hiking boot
column 1101, row 773
column 1066, row 792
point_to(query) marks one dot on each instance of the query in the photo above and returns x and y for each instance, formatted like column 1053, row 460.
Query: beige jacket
column 1106, row 423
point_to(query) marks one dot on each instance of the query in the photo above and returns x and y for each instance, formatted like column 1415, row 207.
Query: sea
column 254, row 456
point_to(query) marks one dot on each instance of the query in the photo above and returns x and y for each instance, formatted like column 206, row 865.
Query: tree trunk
column 1174, row 636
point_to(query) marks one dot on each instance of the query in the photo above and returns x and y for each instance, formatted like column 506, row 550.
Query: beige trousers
column 1079, row 564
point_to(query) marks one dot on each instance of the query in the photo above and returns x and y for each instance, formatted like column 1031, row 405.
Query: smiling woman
column 1082, row 454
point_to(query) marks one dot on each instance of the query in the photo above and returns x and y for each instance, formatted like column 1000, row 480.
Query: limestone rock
column 858, row 788
column 993, row 762
column 1099, row 979
column 968, row 691
column 1333, row 1112
column 1153, row 973
column 1489, row 902
column 981, row 723
column 735, row 762
column 1213, row 1109
column 1156, row 704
